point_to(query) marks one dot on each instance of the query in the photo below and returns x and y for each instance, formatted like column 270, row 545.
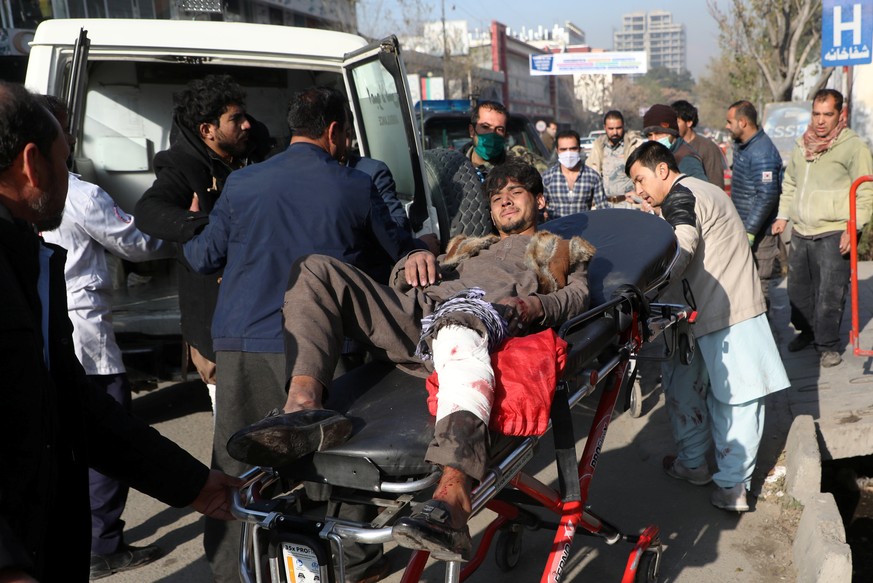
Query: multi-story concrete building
column 657, row 34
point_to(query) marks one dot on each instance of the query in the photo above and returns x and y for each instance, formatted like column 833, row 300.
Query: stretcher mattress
column 387, row 404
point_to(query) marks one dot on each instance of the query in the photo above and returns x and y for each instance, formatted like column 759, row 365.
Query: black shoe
column 280, row 439
column 125, row 558
column 429, row 530
column 800, row 342
column 829, row 359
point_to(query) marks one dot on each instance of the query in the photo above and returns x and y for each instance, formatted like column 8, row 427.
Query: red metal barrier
column 852, row 228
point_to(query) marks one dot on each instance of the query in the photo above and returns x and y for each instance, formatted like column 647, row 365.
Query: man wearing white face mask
column 570, row 186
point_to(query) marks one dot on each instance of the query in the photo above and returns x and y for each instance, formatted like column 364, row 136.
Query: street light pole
column 445, row 53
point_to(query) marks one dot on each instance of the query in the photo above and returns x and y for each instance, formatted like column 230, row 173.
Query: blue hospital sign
column 846, row 32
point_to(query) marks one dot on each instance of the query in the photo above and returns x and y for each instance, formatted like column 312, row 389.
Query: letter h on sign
column 847, row 32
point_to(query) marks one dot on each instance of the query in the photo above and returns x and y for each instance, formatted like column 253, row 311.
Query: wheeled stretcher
column 292, row 532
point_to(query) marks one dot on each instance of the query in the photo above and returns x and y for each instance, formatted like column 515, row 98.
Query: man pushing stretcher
column 451, row 313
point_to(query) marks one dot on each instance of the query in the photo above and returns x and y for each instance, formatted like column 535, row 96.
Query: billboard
column 784, row 122
column 620, row 62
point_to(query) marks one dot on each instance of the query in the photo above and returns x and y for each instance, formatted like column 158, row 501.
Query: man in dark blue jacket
column 298, row 202
column 755, row 186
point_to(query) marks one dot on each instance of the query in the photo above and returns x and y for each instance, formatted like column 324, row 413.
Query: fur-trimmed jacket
column 545, row 265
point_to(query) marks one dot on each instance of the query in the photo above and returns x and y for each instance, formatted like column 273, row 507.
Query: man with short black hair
column 815, row 197
column 570, row 186
column 298, row 202
column 718, row 398
column 53, row 423
column 608, row 155
column 488, row 123
column 710, row 153
column 755, row 186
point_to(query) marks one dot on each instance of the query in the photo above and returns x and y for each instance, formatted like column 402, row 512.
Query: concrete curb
column 820, row 550
column 802, row 460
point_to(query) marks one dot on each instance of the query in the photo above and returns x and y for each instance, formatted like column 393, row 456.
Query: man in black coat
column 212, row 136
column 53, row 423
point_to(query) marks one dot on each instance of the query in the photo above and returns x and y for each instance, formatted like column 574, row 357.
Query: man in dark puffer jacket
column 212, row 136
column 756, row 184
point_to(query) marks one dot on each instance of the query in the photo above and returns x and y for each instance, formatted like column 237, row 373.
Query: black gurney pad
column 388, row 406
column 633, row 248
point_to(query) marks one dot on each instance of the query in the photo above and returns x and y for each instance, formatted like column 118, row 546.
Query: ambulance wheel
column 508, row 550
column 647, row 570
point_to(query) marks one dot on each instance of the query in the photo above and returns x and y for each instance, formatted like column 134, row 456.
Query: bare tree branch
column 779, row 36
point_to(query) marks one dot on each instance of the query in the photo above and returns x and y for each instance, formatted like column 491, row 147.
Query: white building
column 657, row 34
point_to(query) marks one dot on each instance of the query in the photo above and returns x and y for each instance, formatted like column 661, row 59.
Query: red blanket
column 526, row 371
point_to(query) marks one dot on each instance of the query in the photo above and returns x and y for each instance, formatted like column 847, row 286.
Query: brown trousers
column 328, row 300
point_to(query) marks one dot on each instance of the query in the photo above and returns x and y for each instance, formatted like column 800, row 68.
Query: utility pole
column 445, row 53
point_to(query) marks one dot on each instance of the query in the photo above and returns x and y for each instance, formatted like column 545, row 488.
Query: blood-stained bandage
column 463, row 364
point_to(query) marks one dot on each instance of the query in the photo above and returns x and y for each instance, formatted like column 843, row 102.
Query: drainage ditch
column 850, row 480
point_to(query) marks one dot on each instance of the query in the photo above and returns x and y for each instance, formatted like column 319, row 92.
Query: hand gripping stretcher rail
column 291, row 527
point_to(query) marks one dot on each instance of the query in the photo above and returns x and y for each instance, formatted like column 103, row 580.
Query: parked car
column 586, row 143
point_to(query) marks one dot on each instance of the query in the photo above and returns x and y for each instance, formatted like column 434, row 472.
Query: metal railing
column 854, row 334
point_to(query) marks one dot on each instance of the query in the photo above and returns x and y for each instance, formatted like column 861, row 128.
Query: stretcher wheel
column 635, row 399
column 508, row 549
column 647, row 570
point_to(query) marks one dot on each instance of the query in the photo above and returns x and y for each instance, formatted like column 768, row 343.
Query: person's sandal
column 429, row 529
column 281, row 438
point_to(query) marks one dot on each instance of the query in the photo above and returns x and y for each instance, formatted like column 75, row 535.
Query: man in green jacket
column 815, row 197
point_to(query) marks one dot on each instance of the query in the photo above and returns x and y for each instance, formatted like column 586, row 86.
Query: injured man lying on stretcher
column 451, row 314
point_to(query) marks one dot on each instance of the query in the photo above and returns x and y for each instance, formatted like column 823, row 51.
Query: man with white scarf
column 815, row 197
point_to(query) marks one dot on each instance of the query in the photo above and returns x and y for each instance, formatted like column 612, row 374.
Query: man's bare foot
column 454, row 489
column 439, row 526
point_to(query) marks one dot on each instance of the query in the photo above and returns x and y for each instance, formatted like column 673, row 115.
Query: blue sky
column 598, row 20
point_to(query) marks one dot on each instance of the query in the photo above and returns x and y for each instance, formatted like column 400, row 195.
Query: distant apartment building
column 657, row 34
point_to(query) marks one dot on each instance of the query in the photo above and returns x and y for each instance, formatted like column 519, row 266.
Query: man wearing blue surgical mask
column 570, row 186
column 488, row 132
column 660, row 124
